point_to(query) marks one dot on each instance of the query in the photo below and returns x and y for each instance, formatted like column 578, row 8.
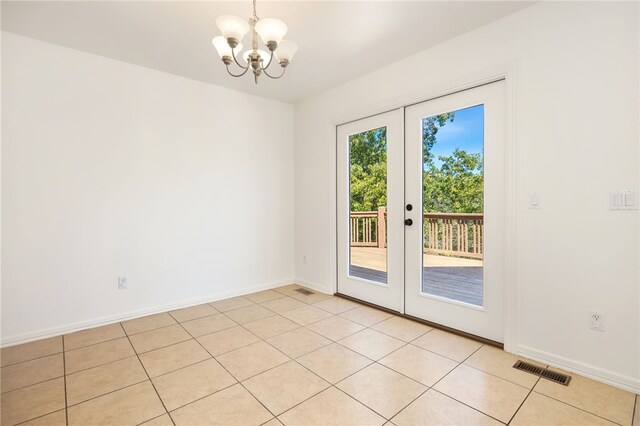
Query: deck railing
column 365, row 227
column 454, row 234
column 451, row 234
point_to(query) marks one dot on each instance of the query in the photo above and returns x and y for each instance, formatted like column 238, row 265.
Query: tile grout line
column 96, row 343
column 397, row 372
column 290, row 359
column 531, row 390
column 156, row 417
column 145, row 331
column 578, row 408
column 228, row 372
column 303, row 326
column 459, row 363
column 106, row 363
column 161, row 347
column 47, row 413
column 331, row 341
column 36, row 383
column 333, row 385
column 498, row 377
column 332, row 314
column 181, row 368
column 39, row 417
column 96, row 326
column 307, row 369
column 461, row 402
column 32, row 359
column 299, row 326
column 466, row 365
column 523, row 401
column 373, row 361
column 107, row 393
column 142, row 381
column 200, row 398
column 307, row 353
column 469, row 406
column 411, row 402
column 147, row 373
column 61, row 336
column 126, row 335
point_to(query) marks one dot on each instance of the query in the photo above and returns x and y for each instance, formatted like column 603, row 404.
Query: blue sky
column 466, row 133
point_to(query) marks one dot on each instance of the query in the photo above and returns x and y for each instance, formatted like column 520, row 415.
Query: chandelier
column 270, row 30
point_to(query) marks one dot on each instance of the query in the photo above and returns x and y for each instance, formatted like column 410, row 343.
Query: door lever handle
column 408, row 222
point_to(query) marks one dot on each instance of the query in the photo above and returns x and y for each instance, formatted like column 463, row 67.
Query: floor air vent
column 560, row 378
column 304, row 291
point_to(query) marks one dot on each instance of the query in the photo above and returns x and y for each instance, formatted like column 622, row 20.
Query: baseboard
column 98, row 322
column 312, row 286
column 601, row 375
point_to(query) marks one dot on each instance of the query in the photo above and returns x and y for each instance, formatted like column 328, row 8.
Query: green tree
column 430, row 128
column 456, row 186
column 368, row 163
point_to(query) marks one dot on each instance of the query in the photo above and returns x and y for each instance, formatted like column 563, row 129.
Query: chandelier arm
column 235, row 59
column 272, row 77
column 237, row 75
column 270, row 61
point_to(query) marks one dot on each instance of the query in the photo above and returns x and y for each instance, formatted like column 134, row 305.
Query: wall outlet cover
column 596, row 320
column 123, row 283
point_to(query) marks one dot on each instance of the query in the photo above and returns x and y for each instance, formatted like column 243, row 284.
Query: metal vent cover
column 554, row 376
column 304, row 291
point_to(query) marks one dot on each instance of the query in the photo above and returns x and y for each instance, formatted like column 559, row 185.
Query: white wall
column 576, row 134
column 112, row 169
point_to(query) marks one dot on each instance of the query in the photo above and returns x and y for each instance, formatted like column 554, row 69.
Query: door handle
column 408, row 222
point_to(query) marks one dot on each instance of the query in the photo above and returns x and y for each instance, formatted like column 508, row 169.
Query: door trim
column 504, row 71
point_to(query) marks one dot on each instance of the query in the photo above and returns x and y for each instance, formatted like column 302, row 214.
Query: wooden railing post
column 381, row 228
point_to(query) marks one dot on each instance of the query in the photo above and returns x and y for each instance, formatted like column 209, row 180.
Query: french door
column 421, row 204
column 370, row 195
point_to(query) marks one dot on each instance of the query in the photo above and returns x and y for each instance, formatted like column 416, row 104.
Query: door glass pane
column 453, row 205
column 367, row 201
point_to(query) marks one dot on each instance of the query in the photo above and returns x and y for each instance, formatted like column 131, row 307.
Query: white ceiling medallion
column 270, row 30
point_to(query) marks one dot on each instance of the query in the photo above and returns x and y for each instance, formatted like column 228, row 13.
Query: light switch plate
column 623, row 200
column 631, row 200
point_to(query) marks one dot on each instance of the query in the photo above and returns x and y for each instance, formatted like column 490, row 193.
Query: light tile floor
column 279, row 357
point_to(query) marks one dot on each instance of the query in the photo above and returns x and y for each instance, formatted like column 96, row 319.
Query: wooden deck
column 449, row 277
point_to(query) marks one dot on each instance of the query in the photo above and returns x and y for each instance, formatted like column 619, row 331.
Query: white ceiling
column 339, row 40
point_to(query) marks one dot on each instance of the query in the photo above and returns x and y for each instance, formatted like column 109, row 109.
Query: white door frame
column 509, row 73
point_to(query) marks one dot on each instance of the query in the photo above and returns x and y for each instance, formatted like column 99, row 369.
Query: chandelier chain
column 255, row 14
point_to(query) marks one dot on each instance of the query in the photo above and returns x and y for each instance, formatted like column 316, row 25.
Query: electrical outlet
column 534, row 201
column 123, row 283
column 596, row 320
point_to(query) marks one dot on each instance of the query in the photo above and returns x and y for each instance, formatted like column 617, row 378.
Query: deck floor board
column 460, row 283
